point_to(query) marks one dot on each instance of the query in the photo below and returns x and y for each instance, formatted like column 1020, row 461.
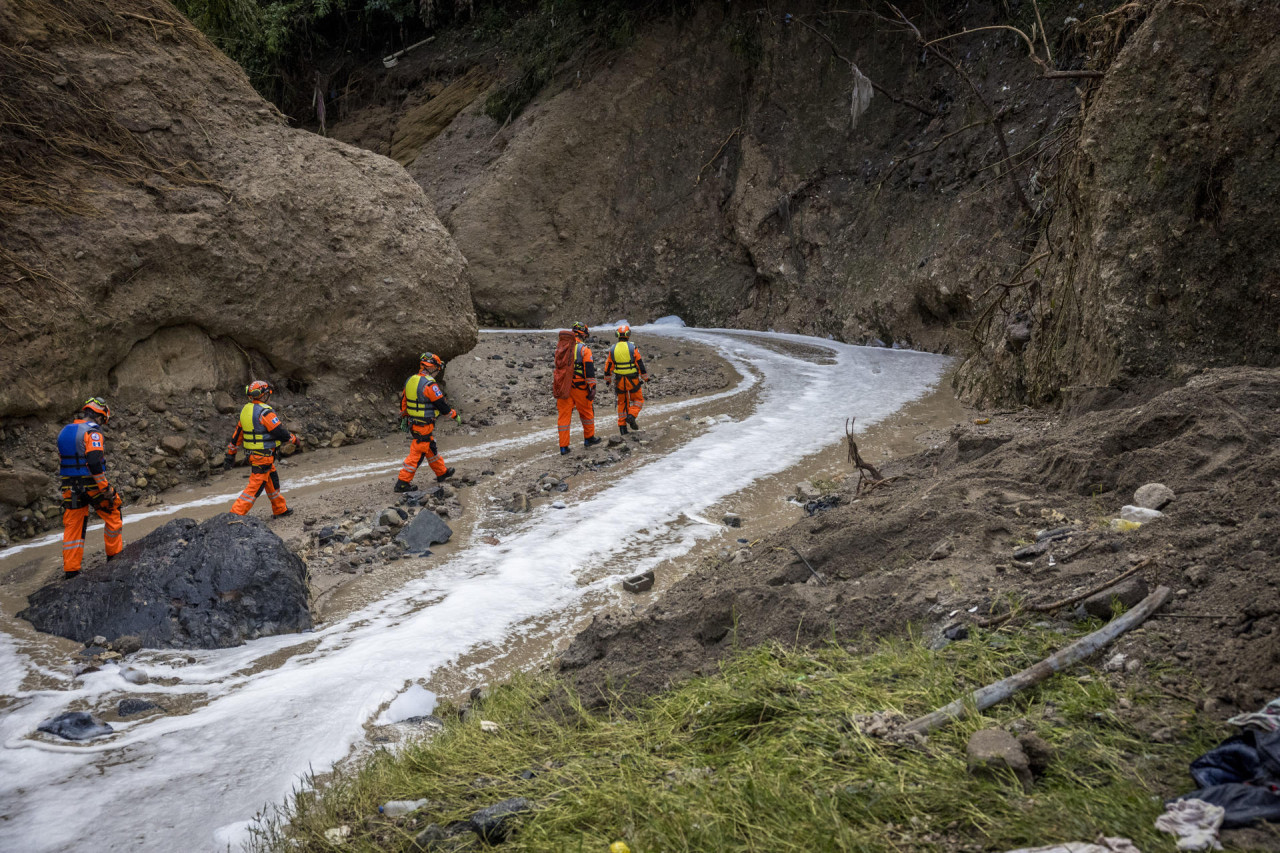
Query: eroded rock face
column 204, row 585
column 210, row 239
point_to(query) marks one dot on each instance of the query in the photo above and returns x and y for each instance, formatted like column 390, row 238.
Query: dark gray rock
column 185, row 585
column 76, row 725
column 1040, row 753
column 1128, row 592
column 493, row 824
column 131, row 705
column 732, row 519
column 425, row 530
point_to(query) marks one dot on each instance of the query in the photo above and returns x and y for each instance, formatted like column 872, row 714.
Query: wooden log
column 993, row 694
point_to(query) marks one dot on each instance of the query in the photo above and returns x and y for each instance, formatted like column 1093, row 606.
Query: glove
column 591, row 393
column 457, row 418
column 404, row 425
column 294, row 440
column 227, row 462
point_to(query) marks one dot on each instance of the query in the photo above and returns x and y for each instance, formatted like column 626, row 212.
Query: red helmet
column 259, row 389
column 99, row 408
column 624, row 332
column 581, row 331
column 430, row 363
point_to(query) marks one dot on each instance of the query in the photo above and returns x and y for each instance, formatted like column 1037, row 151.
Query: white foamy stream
column 192, row 781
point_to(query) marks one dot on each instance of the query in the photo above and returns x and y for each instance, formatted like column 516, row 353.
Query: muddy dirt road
column 235, row 729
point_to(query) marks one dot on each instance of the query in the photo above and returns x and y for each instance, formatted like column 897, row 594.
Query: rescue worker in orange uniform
column 582, row 394
column 260, row 431
column 83, row 469
column 626, row 367
column 421, row 402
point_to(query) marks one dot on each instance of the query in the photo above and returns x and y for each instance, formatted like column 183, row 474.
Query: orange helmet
column 99, row 408
column 624, row 332
column 430, row 362
column 581, row 331
column 259, row 389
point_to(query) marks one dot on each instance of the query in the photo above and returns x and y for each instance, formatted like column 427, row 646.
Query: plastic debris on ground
column 1267, row 719
column 1102, row 845
column 1194, row 822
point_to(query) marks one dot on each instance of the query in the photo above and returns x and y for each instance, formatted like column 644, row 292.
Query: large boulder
column 164, row 230
column 185, row 585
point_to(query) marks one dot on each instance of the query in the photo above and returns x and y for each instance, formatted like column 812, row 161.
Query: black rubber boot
column 402, row 486
column 448, row 472
column 564, row 451
column 590, row 442
column 288, row 511
column 622, row 430
column 631, row 421
column 66, row 576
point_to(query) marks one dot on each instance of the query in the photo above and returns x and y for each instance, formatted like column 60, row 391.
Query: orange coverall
column 84, row 485
column 421, row 411
column 265, row 434
column 581, row 396
column 630, row 389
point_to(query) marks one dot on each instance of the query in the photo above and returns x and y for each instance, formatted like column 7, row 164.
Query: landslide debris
column 162, row 229
column 208, row 585
column 990, row 491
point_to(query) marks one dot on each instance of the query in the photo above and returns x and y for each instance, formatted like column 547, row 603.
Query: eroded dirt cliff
column 162, row 229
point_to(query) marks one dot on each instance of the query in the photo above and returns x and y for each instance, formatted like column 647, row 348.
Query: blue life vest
column 71, row 449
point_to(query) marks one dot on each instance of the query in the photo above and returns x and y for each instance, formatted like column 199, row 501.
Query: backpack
column 562, row 375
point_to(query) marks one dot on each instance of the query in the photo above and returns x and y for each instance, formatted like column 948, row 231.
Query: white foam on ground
column 190, row 781
column 417, row 701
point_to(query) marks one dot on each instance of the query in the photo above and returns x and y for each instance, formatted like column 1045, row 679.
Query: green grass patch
column 766, row 756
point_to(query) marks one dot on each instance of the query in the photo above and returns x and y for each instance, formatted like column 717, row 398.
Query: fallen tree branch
column 855, row 458
column 1066, row 602
column 992, row 694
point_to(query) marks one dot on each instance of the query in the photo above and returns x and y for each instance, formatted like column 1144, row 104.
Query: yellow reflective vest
column 624, row 359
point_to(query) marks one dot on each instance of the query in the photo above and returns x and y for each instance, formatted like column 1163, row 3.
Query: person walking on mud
column 260, row 431
column 83, row 471
column 626, row 367
column 421, row 402
column 574, row 386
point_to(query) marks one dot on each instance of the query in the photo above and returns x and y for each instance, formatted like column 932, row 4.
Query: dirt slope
column 162, row 230
column 939, row 540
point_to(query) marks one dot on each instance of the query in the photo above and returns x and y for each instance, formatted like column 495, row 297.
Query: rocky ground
column 951, row 538
column 168, row 441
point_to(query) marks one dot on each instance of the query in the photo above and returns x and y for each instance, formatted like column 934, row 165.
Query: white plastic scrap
column 1195, row 822
column 1103, row 845
column 490, row 727
column 1139, row 514
column 1266, row 719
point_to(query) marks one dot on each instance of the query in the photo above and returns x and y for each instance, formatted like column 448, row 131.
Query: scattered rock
column 392, row 517
column 224, row 403
column 127, row 644
column 134, row 676
column 807, row 491
column 1115, row 663
column 75, row 725
column 1197, row 575
column 214, row 584
column 558, row 504
column 518, row 503
column 362, row 534
column 20, row 486
column 426, row 529
column 173, row 444
column 156, row 404
column 956, row 633
column 639, row 583
column 942, row 550
column 1128, row 592
column 494, row 823
column 1040, row 753
column 338, row 439
column 131, row 705
column 1153, row 496
column 993, row 752
column 732, row 519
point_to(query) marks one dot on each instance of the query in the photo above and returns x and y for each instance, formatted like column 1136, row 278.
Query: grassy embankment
column 766, row 756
